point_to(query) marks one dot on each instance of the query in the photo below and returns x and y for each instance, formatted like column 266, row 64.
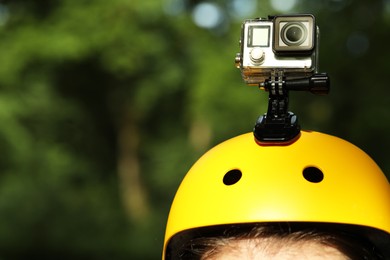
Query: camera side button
column 257, row 55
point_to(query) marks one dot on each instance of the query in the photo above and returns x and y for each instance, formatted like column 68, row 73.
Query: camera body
column 284, row 45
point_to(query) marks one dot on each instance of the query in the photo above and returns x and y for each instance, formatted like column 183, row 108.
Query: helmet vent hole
column 232, row 177
column 313, row 174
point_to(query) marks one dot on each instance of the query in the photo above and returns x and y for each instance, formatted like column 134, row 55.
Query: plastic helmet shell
column 318, row 178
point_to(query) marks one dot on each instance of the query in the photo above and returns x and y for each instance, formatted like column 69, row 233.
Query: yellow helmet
column 318, row 179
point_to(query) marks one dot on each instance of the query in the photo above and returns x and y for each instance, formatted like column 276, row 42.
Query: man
column 282, row 241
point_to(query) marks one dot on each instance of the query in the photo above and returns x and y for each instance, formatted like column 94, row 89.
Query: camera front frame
column 305, row 44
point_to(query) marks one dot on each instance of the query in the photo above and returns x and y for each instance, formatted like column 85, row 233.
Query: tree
column 82, row 89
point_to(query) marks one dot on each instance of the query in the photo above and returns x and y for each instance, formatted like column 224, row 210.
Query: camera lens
column 294, row 34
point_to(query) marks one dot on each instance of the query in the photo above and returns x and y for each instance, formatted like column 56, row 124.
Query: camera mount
column 279, row 125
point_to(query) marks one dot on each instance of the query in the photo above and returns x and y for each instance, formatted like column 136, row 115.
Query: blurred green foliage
column 105, row 105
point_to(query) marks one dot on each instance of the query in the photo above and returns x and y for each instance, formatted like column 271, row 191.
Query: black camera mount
column 278, row 125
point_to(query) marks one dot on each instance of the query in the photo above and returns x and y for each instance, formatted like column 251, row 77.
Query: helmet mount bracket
column 278, row 125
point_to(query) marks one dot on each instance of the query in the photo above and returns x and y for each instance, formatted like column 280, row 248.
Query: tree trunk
column 134, row 195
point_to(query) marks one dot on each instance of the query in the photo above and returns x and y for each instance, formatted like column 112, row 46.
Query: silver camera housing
column 281, row 45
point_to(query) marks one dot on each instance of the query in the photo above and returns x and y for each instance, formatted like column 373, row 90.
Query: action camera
column 280, row 45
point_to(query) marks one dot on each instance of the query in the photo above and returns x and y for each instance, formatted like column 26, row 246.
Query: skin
column 266, row 249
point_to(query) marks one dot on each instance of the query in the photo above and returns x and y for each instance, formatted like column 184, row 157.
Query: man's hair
column 352, row 246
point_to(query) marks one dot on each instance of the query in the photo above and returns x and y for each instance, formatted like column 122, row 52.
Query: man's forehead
column 272, row 249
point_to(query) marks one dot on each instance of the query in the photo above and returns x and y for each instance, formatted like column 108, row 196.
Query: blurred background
column 105, row 105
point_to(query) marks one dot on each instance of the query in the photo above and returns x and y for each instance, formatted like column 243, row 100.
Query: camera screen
column 258, row 36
